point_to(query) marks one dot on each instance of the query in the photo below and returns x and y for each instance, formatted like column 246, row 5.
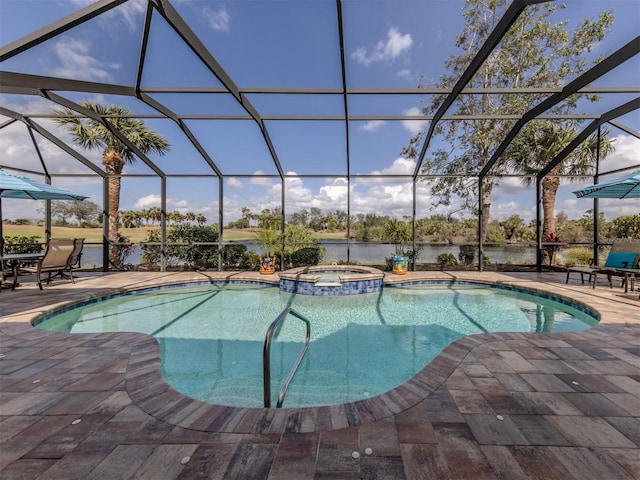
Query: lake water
column 359, row 252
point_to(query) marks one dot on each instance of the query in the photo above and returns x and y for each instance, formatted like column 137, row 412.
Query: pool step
column 248, row 392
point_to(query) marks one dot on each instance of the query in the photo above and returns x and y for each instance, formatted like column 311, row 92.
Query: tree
column 398, row 232
column 175, row 217
column 131, row 219
column 297, row 238
column 513, row 227
column 154, row 215
column 84, row 211
column 94, row 134
column 626, row 227
column 298, row 218
column 534, row 53
column 59, row 210
column 270, row 218
column 538, row 144
column 316, row 219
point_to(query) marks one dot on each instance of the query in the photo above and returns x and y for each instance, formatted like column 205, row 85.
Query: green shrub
column 306, row 256
column 22, row 244
column 577, row 256
column 234, row 255
column 446, row 260
column 184, row 236
column 495, row 236
column 468, row 253
column 151, row 253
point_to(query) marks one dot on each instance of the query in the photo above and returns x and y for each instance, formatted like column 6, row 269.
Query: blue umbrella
column 626, row 187
column 17, row 186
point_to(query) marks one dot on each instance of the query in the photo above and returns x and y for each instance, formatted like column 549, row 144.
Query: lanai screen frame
column 45, row 86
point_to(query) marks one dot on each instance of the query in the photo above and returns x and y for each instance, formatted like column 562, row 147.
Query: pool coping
column 148, row 390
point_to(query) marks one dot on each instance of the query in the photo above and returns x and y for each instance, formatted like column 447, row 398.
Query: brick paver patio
column 501, row 405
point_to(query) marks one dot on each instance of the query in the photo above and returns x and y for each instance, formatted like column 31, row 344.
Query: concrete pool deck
column 500, row 405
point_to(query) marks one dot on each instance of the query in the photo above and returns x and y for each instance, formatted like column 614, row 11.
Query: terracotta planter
column 400, row 264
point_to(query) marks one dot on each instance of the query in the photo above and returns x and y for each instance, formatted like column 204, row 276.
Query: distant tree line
column 87, row 214
column 439, row 228
column 369, row 227
column 153, row 216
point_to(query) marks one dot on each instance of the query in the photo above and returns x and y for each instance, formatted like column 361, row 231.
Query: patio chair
column 74, row 260
column 57, row 257
column 624, row 255
column 3, row 275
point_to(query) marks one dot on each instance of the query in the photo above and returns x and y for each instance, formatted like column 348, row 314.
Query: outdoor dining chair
column 57, row 258
column 74, row 260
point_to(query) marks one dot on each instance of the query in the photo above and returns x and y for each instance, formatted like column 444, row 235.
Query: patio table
column 17, row 260
column 629, row 276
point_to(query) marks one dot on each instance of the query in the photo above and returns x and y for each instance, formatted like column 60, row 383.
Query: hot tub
column 330, row 280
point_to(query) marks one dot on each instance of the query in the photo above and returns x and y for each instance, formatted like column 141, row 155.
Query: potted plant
column 398, row 232
column 268, row 239
column 400, row 264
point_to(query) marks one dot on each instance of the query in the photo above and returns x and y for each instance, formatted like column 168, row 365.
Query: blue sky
column 281, row 44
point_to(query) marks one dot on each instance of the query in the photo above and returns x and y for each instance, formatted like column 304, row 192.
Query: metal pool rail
column 266, row 357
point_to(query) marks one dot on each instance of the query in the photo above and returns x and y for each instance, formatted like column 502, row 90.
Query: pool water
column 211, row 336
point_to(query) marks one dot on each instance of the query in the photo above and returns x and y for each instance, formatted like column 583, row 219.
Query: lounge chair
column 57, row 257
column 624, row 255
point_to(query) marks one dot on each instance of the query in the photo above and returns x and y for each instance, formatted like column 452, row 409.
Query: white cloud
column 384, row 199
column 372, row 125
column 76, row 62
column 395, row 45
column 130, row 11
column 153, row 200
column 17, row 149
column 512, row 186
column 626, row 154
column 611, row 208
column 335, row 192
column 219, row 19
column 265, row 182
column 400, row 166
column 502, row 211
column 413, row 126
column 147, row 201
column 295, row 192
column 404, row 73
column 234, row 183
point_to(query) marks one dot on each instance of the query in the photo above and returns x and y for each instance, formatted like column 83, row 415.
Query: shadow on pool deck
column 502, row 405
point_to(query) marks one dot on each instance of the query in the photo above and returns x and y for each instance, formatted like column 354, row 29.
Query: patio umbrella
column 17, row 186
column 626, row 187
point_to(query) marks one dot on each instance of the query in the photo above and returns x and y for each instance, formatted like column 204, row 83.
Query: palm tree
column 398, row 232
column 155, row 215
column 130, row 219
column 94, row 134
column 538, row 145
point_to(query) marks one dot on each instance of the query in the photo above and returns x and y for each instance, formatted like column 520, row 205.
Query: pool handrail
column 266, row 357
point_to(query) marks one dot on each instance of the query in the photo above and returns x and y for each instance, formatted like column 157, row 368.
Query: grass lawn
column 91, row 235
column 136, row 235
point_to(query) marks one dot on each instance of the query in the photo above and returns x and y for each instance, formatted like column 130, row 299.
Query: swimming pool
column 211, row 335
